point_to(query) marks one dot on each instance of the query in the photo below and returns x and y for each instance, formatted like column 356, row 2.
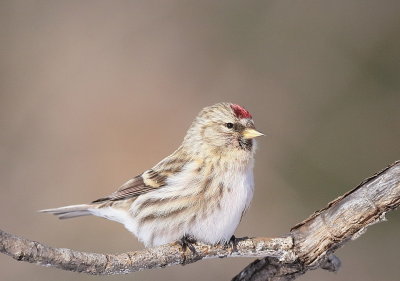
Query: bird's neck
column 236, row 157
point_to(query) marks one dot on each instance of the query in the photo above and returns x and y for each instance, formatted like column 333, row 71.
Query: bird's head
column 222, row 128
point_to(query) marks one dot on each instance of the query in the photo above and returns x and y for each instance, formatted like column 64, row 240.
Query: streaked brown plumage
column 201, row 190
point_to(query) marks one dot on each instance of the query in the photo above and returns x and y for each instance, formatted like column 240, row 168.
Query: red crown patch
column 240, row 112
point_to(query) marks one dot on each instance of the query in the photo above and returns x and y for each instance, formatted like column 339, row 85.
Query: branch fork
column 309, row 245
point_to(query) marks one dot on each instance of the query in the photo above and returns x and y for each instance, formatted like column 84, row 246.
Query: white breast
column 222, row 223
column 219, row 223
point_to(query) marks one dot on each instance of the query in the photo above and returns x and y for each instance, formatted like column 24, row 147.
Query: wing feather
column 132, row 188
column 151, row 179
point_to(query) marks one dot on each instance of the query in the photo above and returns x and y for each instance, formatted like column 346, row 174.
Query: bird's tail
column 72, row 211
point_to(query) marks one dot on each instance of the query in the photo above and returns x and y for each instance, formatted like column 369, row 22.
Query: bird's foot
column 187, row 242
column 233, row 243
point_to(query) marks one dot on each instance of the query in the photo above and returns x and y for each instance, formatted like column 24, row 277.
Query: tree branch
column 309, row 245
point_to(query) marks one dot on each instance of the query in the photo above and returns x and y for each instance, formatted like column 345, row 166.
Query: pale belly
column 222, row 223
column 166, row 215
column 209, row 221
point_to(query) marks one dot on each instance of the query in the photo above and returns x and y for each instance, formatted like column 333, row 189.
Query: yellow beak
column 251, row 133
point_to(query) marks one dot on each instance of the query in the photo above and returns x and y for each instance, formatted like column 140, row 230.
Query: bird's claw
column 233, row 243
column 187, row 242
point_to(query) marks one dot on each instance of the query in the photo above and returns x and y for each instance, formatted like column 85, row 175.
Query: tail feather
column 69, row 212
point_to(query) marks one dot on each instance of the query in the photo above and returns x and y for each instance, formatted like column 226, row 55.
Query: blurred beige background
column 94, row 92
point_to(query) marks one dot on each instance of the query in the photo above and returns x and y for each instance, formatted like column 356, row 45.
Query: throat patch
column 245, row 144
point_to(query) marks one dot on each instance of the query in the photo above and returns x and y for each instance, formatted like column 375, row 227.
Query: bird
column 199, row 192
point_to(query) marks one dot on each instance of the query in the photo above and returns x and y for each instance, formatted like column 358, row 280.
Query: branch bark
column 309, row 245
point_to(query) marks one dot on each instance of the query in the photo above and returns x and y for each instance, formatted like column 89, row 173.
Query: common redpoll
column 200, row 191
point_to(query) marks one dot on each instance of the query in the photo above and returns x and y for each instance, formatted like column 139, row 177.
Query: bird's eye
column 229, row 125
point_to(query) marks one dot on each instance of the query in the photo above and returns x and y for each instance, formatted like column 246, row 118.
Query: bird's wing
column 146, row 182
column 151, row 179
